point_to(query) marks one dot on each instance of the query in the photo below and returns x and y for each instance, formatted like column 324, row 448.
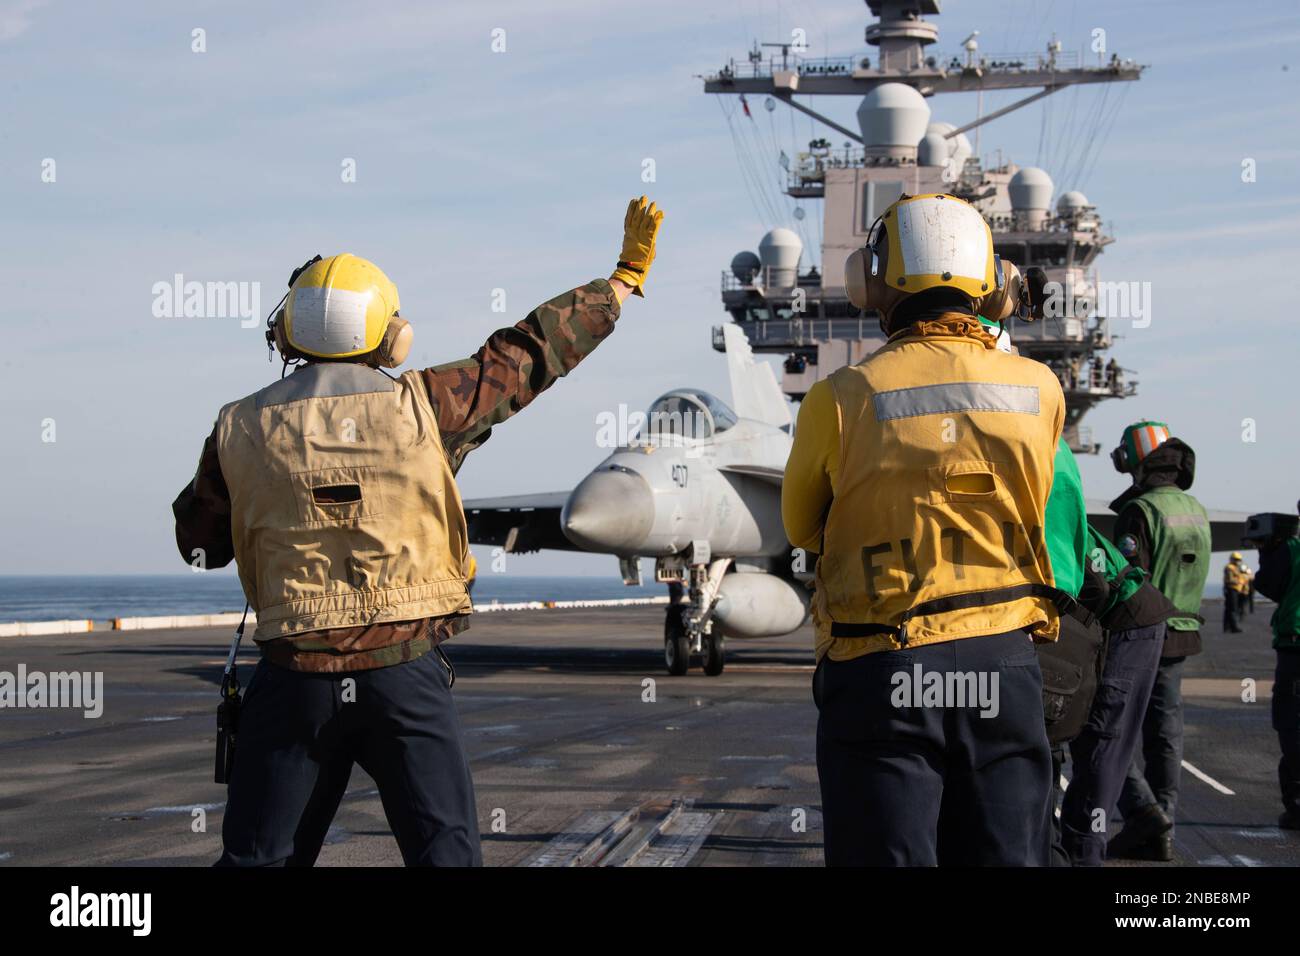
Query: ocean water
column 101, row 597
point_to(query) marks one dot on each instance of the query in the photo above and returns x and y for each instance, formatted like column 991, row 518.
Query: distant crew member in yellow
column 920, row 477
column 1236, row 592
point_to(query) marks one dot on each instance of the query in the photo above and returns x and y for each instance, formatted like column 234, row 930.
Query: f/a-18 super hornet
column 697, row 488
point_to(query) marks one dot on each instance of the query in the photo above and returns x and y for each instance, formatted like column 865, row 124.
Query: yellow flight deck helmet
column 1235, row 556
column 927, row 242
column 339, row 308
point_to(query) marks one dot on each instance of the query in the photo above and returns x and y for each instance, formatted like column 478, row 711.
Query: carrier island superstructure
column 899, row 147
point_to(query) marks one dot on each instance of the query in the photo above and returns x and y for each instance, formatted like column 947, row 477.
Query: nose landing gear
column 688, row 625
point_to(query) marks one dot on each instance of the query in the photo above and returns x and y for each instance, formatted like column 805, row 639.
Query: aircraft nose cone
column 610, row 511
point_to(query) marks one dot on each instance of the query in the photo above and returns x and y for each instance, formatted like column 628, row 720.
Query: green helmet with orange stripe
column 1139, row 440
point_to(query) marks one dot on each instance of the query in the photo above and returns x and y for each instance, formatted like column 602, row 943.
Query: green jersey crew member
column 1098, row 716
column 920, row 477
column 1133, row 614
column 1163, row 530
column 333, row 490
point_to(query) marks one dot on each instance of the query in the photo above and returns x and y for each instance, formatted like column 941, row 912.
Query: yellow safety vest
column 1236, row 579
column 344, row 510
column 935, row 532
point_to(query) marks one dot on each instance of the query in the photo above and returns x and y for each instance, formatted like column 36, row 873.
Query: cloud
column 16, row 16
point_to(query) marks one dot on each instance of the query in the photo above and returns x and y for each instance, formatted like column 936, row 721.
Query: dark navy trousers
column 299, row 736
column 915, row 784
column 1162, row 746
column 1103, row 752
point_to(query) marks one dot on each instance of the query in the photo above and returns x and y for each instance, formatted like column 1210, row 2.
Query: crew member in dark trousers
column 334, row 491
column 1133, row 614
column 1163, row 530
column 920, row 477
column 1279, row 580
column 1081, row 643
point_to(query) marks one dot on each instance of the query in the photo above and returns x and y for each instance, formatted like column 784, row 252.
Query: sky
column 479, row 170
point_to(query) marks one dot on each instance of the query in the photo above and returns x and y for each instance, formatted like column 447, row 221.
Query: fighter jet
column 697, row 488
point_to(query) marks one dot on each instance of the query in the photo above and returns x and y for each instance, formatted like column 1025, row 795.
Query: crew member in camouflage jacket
column 372, row 687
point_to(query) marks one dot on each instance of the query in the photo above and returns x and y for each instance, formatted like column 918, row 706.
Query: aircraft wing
column 1226, row 527
column 519, row 523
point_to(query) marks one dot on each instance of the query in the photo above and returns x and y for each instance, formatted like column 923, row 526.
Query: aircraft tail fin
column 755, row 392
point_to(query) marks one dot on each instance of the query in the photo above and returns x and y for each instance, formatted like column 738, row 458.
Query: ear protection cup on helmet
column 864, row 280
column 1005, row 300
column 1120, row 460
column 395, row 345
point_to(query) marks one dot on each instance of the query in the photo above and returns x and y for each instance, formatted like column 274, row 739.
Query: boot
column 1145, row 827
column 1158, row 849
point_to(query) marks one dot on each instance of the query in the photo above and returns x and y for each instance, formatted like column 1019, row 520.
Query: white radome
column 1030, row 189
column 779, row 252
column 1071, row 201
column 893, row 118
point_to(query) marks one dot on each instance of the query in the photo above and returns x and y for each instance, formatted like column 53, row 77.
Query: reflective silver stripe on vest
column 324, row 380
column 956, row 397
column 1185, row 521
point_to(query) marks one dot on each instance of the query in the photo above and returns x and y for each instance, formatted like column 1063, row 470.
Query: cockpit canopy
column 686, row 413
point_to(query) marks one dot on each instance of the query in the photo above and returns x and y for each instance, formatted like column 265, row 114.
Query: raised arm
column 517, row 364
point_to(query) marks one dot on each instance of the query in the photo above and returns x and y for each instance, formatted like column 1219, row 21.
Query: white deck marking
column 566, row 848
column 680, row 840
column 651, row 834
column 1206, row 778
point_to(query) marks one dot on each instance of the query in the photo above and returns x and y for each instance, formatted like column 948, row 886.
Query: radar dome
column 745, row 265
column 779, row 252
column 1031, row 196
column 933, row 150
column 1070, row 202
column 892, row 119
column 956, row 149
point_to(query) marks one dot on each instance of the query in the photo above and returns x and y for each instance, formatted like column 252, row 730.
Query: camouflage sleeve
column 202, row 511
column 517, row 364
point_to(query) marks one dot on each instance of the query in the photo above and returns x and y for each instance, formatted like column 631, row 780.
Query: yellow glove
column 640, row 228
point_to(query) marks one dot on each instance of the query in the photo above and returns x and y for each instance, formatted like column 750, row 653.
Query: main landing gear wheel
column 677, row 646
column 713, row 655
